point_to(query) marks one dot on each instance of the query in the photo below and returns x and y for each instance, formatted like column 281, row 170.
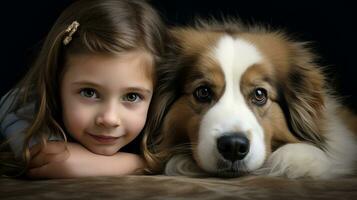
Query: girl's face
column 105, row 99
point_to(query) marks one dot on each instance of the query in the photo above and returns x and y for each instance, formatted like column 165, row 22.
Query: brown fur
column 272, row 118
column 295, row 111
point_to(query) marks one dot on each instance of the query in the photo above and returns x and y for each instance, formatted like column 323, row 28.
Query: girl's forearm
column 118, row 164
column 83, row 163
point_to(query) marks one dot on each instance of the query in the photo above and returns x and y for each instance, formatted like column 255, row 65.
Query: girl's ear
column 302, row 95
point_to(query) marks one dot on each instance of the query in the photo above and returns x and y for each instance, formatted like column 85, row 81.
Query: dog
column 236, row 100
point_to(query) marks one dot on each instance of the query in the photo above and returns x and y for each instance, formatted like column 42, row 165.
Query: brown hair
column 108, row 27
column 165, row 94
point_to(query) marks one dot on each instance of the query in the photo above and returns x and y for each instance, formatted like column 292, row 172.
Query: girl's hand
column 53, row 152
column 71, row 160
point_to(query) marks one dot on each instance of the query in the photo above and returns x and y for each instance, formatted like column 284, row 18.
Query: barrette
column 71, row 29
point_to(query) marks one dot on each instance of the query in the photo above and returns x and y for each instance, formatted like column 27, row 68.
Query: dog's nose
column 233, row 146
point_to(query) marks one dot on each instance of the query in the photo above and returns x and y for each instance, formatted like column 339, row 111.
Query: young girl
column 88, row 93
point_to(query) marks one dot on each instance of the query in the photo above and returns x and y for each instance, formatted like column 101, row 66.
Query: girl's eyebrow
column 139, row 89
column 129, row 89
column 87, row 83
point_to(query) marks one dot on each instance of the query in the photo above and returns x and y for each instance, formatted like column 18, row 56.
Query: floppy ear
column 155, row 140
column 302, row 95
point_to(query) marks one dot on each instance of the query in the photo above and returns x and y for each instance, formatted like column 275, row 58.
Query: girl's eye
column 89, row 93
column 132, row 97
column 260, row 96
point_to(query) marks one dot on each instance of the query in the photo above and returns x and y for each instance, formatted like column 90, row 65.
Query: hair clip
column 71, row 29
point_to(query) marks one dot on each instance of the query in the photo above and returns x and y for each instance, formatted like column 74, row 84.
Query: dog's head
column 233, row 95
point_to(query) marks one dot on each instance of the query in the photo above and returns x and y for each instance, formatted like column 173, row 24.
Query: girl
column 92, row 84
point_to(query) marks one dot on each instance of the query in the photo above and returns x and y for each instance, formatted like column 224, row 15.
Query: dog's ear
column 154, row 137
column 165, row 94
column 302, row 95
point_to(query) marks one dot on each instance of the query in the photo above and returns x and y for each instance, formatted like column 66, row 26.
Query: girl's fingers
column 43, row 158
column 51, row 152
column 34, row 150
column 38, row 173
column 45, row 171
column 49, row 148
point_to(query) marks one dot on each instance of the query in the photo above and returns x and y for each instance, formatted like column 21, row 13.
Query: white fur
column 231, row 113
column 183, row 164
column 306, row 160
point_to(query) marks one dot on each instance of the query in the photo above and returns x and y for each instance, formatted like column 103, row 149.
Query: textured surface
column 166, row 187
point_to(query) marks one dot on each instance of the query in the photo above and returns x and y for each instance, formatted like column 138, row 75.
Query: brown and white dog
column 246, row 100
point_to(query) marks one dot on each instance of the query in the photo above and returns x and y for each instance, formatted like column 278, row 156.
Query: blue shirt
column 13, row 124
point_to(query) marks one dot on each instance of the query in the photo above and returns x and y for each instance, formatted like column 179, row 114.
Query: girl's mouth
column 104, row 139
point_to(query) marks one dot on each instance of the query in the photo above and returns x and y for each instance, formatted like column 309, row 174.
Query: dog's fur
column 228, row 79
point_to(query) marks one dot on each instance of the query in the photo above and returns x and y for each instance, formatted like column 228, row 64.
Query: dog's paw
column 183, row 165
column 297, row 161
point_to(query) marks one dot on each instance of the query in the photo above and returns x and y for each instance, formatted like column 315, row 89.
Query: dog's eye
column 203, row 94
column 260, row 96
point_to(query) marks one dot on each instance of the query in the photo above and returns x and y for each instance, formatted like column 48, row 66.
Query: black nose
column 233, row 146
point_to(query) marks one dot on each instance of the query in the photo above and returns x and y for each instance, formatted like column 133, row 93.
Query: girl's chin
column 104, row 151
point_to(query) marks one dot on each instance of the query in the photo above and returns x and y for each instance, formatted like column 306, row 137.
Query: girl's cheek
column 76, row 119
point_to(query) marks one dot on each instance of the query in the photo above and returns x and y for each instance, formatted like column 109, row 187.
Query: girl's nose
column 108, row 118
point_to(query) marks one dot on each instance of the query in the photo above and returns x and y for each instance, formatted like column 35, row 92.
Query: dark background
column 329, row 25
